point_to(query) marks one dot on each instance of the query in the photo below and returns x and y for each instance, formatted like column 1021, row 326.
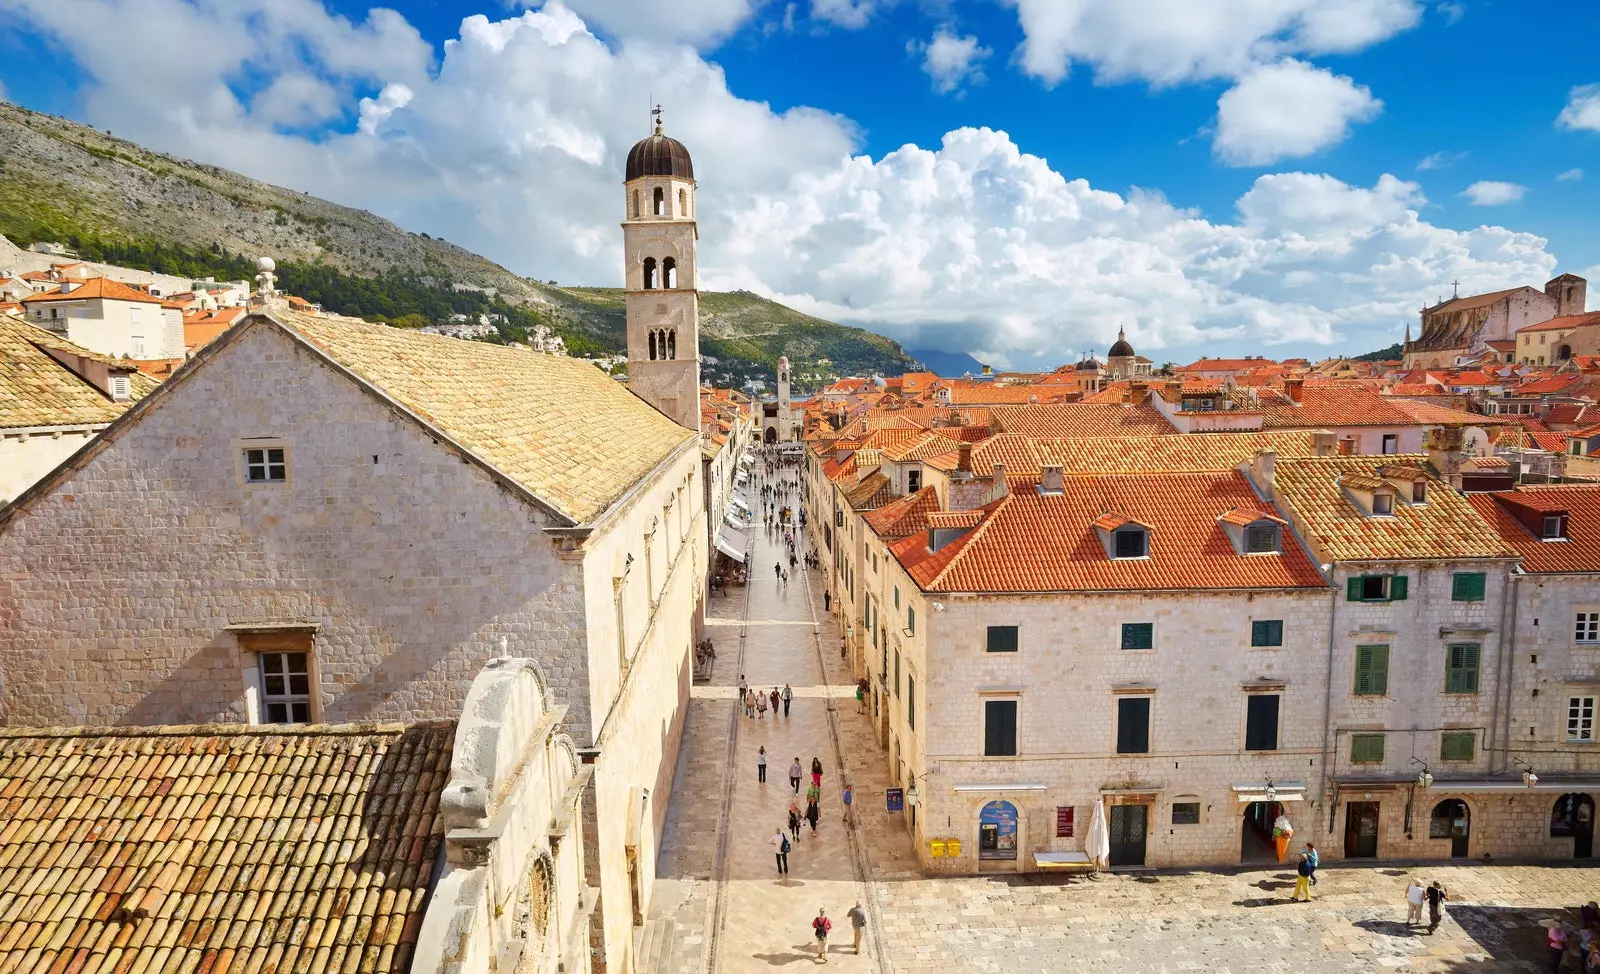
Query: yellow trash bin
column 952, row 847
column 936, row 848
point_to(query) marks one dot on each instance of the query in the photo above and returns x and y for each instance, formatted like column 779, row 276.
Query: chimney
column 997, row 485
column 1051, row 480
column 1263, row 467
column 1446, row 451
column 1347, row 446
column 1324, row 443
column 964, row 457
column 1137, row 391
column 1174, row 389
column 1295, row 389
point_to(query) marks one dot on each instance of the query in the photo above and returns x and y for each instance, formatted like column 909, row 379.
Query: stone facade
column 661, row 275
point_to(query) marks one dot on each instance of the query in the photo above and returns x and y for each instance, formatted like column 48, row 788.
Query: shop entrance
column 1574, row 815
column 1255, row 833
column 1361, row 830
column 1127, row 834
column 1452, row 820
column 997, row 831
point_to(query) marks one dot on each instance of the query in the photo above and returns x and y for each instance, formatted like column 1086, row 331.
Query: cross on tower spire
column 655, row 113
column 1457, row 285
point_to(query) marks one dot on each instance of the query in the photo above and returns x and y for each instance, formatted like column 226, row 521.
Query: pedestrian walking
column 816, row 771
column 1413, row 902
column 858, row 922
column 780, row 850
column 777, row 570
column 774, row 696
column 1555, row 942
column 1316, row 860
column 1436, row 897
column 761, row 705
column 861, row 696
column 788, row 695
column 848, row 795
column 742, row 688
column 813, row 814
column 761, row 765
column 795, row 771
column 749, row 703
column 827, row 601
column 1302, row 879
column 794, row 819
column 820, row 927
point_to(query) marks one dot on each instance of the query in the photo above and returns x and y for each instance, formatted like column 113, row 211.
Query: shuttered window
column 1377, row 588
column 999, row 728
column 1266, row 632
column 1461, row 668
column 1002, row 639
column 1261, row 722
column 1457, row 746
column 1138, row 635
column 1467, row 586
column 1133, row 725
column 1372, row 671
column 1366, row 748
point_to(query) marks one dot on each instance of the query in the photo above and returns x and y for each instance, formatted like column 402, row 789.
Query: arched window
column 652, row 346
column 661, row 201
column 649, row 273
column 683, row 202
column 672, row 344
column 669, row 273
column 636, row 204
column 1563, row 352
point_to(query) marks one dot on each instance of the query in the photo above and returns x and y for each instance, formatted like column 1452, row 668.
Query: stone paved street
column 1216, row 921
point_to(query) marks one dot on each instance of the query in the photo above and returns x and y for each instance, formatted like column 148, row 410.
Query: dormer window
column 119, row 388
column 1382, row 503
column 1260, row 539
column 1555, row 527
column 1419, row 492
column 1130, row 542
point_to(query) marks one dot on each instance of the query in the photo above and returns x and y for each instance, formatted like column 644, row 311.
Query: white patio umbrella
column 1098, row 845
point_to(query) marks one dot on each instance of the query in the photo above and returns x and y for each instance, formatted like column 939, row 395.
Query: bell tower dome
column 659, row 237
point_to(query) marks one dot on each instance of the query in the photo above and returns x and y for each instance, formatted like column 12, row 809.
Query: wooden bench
column 1068, row 862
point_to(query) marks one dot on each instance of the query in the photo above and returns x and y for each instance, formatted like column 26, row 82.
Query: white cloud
column 700, row 22
column 951, row 60
column 1169, row 41
column 845, row 13
column 514, row 147
column 1287, row 110
column 1570, row 176
column 1440, row 159
column 1583, row 109
column 1451, row 12
column 1489, row 192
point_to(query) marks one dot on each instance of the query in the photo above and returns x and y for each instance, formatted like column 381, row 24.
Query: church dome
column 1121, row 348
column 659, row 155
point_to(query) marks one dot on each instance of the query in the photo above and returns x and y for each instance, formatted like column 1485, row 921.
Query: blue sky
column 1012, row 179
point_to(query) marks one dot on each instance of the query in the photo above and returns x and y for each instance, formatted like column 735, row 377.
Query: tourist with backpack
column 820, row 926
column 780, row 849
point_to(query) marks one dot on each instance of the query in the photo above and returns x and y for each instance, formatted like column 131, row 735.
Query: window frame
column 1560, row 532
column 1126, row 701
column 1389, row 445
column 1382, row 504
column 265, row 446
column 1580, row 718
column 1368, row 737
column 1372, row 650
column 1593, row 624
column 1250, row 706
column 1447, row 737
column 1196, row 805
column 1015, row 703
column 1270, row 531
column 1127, row 531
column 1148, row 628
column 1015, row 639
column 1256, row 636
column 1458, row 676
column 1462, row 586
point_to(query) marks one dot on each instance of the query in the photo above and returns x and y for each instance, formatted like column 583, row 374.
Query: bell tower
column 661, row 277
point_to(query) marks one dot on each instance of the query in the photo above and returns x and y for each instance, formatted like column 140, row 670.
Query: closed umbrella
column 1099, row 844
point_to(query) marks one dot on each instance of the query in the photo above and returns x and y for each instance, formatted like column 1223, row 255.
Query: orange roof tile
column 904, row 516
column 1028, row 542
column 1079, row 419
column 95, row 287
column 1509, row 513
column 1328, row 405
column 1564, row 322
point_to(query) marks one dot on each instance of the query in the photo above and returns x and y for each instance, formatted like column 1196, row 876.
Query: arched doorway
column 771, row 435
column 1573, row 815
column 997, row 831
column 1452, row 820
column 1255, row 832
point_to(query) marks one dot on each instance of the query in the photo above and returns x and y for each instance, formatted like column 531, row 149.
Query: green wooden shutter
column 1457, row 746
column 1366, row 748
column 1468, row 586
column 1397, row 588
column 1372, row 671
column 1353, row 588
column 1461, row 674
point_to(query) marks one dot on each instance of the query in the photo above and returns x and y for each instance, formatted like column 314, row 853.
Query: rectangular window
column 1461, row 668
column 1261, row 539
column 1372, row 671
column 1064, row 821
column 1366, row 748
column 1130, row 543
column 913, row 481
column 999, row 728
column 1185, row 813
column 1261, row 722
column 1002, row 639
column 1133, row 725
column 897, row 596
column 1266, row 632
column 1586, row 628
column 1138, row 635
column 1419, row 492
column 1457, row 746
column 897, row 673
column 1580, row 719
column 911, row 621
column 1376, row 588
column 138, row 346
column 1554, row 526
column 911, row 702
column 1383, row 503
column 1391, row 443
column 1467, row 586
column 265, row 466
column 285, row 687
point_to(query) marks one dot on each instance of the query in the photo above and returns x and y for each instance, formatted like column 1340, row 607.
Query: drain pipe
column 1508, row 669
column 1327, row 705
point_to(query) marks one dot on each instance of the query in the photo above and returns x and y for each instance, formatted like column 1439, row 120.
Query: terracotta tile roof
column 1244, row 517
column 1079, row 419
column 1226, row 365
column 954, row 519
column 96, row 287
column 1427, row 413
column 904, row 516
column 873, row 492
column 1544, row 385
column 1445, row 527
column 1324, row 406
column 37, row 390
column 1023, row 455
column 930, row 444
column 1028, row 542
column 989, row 394
column 1564, row 322
column 1579, row 552
column 218, row 848
column 568, row 433
column 1473, row 300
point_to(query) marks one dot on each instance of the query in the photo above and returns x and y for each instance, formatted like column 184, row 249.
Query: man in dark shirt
column 1434, row 894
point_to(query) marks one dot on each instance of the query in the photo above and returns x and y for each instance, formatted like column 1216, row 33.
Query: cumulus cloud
column 1170, row 41
column 1583, row 109
column 845, row 13
column 952, row 60
column 1440, row 159
column 700, row 22
column 1490, row 192
column 1451, row 12
column 1287, row 110
column 513, row 145
column 1570, row 176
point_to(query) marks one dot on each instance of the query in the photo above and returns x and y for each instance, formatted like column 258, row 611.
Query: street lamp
column 1529, row 778
column 913, row 796
column 1424, row 777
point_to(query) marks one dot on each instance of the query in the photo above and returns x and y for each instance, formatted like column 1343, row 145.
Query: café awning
column 732, row 543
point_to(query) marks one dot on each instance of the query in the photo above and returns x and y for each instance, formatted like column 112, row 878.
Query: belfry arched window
column 649, row 273
column 636, row 204
column 669, row 272
column 661, row 201
column 672, row 344
column 652, row 346
column 683, row 202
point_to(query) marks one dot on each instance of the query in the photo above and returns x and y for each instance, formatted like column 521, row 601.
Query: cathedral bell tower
column 659, row 238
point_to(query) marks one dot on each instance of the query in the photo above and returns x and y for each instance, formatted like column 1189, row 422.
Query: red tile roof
column 1564, row 322
column 1429, row 414
column 1028, row 542
column 1579, row 552
column 905, row 516
column 1080, row 419
column 98, row 287
column 1341, row 404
